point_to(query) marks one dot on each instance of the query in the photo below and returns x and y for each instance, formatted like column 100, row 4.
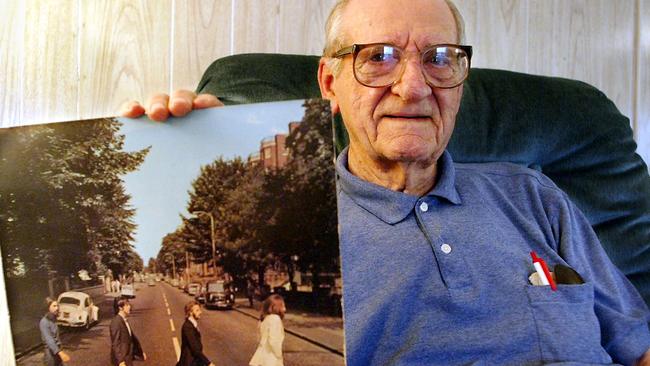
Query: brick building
column 273, row 153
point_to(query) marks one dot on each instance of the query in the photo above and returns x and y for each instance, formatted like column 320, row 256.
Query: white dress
column 269, row 350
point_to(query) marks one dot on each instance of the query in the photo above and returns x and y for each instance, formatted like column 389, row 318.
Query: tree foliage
column 63, row 203
column 267, row 213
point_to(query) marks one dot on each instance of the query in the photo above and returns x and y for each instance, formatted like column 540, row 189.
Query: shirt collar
column 392, row 206
column 193, row 321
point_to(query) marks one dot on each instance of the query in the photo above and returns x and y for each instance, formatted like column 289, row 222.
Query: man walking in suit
column 124, row 344
column 191, row 347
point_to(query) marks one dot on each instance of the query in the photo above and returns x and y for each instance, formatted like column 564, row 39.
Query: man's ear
column 325, row 82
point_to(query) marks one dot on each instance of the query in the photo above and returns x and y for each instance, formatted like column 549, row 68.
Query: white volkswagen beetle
column 76, row 309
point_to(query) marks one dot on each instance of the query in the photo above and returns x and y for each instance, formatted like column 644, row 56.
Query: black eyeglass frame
column 356, row 48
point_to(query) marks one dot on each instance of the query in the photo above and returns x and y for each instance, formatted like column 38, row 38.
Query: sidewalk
column 324, row 331
column 29, row 349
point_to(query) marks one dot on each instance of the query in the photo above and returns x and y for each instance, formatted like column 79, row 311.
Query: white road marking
column 177, row 348
column 171, row 324
column 169, row 312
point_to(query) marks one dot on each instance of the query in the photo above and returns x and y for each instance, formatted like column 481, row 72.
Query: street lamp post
column 187, row 267
column 214, row 263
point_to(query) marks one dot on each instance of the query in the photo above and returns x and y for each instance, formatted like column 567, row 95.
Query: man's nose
column 412, row 85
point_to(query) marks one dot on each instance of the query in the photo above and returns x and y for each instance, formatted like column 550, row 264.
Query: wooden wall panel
column 501, row 34
column 202, row 33
column 468, row 9
column 12, row 26
column 642, row 126
column 256, row 26
column 50, row 56
column 568, row 39
column 542, row 37
column 302, row 26
column 125, row 53
column 612, row 42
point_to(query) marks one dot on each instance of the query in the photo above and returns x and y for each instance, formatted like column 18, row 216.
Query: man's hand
column 64, row 356
column 160, row 106
column 122, row 363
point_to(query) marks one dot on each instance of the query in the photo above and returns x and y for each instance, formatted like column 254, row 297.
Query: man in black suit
column 124, row 344
column 191, row 347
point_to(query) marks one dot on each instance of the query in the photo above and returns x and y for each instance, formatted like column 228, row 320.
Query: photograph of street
column 117, row 218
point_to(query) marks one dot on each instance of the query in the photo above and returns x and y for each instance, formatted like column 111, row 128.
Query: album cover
column 224, row 207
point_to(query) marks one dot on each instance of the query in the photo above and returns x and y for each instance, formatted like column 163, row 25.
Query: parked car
column 200, row 296
column 76, row 309
column 151, row 281
column 219, row 294
column 128, row 291
column 193, row 288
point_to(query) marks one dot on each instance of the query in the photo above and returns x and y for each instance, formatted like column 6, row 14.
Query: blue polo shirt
column 442, row 279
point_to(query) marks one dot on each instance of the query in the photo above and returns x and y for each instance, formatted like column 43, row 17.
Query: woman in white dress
column 269, row 350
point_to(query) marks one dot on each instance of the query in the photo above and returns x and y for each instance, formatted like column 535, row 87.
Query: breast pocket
column 567, row 325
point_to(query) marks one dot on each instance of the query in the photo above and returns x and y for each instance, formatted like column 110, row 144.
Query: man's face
column 196, row 312
column 408, row 121
column 126, row 309
column 54, row 308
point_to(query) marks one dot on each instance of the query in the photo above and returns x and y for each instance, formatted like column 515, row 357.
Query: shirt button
column 424, row 207
column 446, row 248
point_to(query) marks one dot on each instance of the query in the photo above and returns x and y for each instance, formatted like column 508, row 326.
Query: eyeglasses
column 378, row 65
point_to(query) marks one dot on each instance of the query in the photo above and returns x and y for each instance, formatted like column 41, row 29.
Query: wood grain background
column 74, row 59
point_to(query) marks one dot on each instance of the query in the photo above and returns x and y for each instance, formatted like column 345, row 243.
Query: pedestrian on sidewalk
column 191, row 346
column 269, row 350
column 125, row 346
column 250, row 289
column 54, row 355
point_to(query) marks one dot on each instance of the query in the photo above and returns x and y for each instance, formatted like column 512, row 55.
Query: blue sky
column 180, row 146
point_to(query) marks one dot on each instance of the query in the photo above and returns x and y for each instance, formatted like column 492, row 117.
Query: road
column 229, row 337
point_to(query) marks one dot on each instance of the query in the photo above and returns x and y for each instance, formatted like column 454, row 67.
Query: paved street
column 229, row 337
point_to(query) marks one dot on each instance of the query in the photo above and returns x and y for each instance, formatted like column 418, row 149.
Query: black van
column 219, row 294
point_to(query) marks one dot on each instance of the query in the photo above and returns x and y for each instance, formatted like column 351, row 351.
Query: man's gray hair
column 334, row 40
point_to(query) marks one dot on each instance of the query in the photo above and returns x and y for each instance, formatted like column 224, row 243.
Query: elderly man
column 436, row 256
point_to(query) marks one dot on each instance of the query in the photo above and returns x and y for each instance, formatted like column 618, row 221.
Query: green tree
column 261, row 213
column 306, row 220
column 66, row 208
column 171, row 255
column 152, row 266
column 209, row 194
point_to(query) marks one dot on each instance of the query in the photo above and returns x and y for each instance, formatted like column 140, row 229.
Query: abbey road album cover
column 227, row 207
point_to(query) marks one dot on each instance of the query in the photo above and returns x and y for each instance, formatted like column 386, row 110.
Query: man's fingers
column 206, row 101
column 157, row 107
column 131, row 109
column 180, row 103
column 160, row 106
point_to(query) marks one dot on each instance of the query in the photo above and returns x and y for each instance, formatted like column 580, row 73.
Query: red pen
column 542, row 270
